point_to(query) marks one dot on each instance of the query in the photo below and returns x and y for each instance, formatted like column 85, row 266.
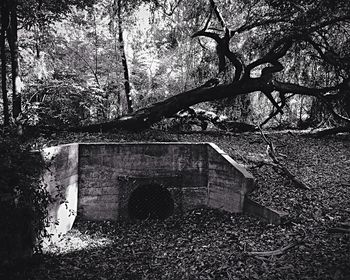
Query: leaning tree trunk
column 4, row 24
column 146, row 117
column 13, row 43
column 124, row 61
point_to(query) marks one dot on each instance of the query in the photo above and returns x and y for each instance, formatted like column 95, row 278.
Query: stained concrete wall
column 195, row 174
column 228, row 182
column 110, row 172
column 61, row 180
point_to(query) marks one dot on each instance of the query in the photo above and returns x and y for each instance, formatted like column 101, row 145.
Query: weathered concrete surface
column 228, row 182
column 61, row 180
column 269, row 215
column 109, row 173
column 195, row 174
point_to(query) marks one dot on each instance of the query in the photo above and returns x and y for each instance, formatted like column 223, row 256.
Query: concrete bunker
column 113, row 181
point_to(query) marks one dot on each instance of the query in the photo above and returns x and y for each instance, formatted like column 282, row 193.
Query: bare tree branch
column 94, row 73
column 268, row 94
column 323, row 55
column 277, row 252
column 279, row 50
column 262, row 22
column 223, row 42
column 286, row 171
column 320, row 93
column 204, row 33
column 302, row 90
column 172, row 7
column 218, row 14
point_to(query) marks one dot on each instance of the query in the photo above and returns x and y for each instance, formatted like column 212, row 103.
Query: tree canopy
column 170, row 55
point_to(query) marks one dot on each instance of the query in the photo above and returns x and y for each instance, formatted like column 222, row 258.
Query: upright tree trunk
column 95, row 72
column 123, row 57
column 318, row 112
column 4, row 24
column 13, row 43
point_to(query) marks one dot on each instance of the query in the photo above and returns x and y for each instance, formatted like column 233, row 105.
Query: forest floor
column 211, row 244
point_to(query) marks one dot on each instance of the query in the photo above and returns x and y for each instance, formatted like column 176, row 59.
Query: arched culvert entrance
column 150, row 201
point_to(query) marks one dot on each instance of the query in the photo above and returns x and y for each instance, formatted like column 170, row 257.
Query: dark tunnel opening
column 150, row 201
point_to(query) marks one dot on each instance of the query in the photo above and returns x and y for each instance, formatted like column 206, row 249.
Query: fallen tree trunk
column 145, row 117
column 210, row 91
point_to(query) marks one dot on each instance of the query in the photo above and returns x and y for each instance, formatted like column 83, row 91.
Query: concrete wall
column 228, row 182
column 195, row 174
column 107, row 173
column 61, row 180
column 110, row 172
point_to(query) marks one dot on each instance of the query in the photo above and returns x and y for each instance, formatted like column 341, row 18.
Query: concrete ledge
column 269, row 215
column 228, row 181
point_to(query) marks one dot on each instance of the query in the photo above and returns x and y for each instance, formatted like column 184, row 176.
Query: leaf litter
column 212, row 244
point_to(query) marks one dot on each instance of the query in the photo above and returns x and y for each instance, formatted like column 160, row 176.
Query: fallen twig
column 345, row 224
column 339, row 230
column 272, row 153
column 343, row 227
column 277, row 252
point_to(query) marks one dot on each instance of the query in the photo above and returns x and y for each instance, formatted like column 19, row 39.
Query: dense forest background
column 74, row 63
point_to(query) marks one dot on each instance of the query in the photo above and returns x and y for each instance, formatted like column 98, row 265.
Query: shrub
column 24, row 200
column 62, row 104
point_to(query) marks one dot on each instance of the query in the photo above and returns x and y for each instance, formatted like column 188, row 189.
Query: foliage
column 60, row 104
column 25, row 14
column 24, row 199
column 81, row 54
column 80, row 38
column 43, row 12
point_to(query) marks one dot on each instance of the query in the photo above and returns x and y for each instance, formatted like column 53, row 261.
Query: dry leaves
column 209, row 244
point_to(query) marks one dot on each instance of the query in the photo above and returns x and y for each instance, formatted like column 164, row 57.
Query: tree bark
column 123, row 57
column 146, row 117
column 13, row 43
column 4, row 24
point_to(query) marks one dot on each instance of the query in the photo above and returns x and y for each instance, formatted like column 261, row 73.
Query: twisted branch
column 222, row 42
